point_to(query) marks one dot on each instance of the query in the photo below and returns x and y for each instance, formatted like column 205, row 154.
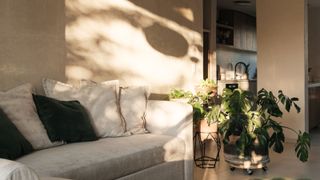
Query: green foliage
column 179, row 93
column 250, row 118
column 303, row 146
column 287, row 102
column 204, row 101
column 263, row 137
column 268, row 102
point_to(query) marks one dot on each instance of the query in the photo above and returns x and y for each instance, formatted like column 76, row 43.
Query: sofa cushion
column 107, row 158
column 12, row 142
column 64, row 120
column 18, row 104
column 100, row 101
column 12, row 170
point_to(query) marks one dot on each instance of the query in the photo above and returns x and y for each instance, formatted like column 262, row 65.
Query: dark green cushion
column 12, row 142
column 64, row 120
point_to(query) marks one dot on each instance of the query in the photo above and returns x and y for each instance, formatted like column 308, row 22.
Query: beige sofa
column 165, row 153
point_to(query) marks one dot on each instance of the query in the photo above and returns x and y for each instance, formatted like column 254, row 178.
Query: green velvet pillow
column 12, row 142
column 64, row 120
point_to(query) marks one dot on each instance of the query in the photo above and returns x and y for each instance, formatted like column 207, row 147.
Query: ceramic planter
column 205, row 129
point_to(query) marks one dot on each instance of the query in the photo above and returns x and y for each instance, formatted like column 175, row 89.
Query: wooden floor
column 283, row 166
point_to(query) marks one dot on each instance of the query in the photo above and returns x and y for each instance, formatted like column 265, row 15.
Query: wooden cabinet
column 314, row 103
column 242, row 28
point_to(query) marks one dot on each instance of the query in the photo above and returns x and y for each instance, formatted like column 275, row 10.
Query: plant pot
column 258, row 159
column 206, row 131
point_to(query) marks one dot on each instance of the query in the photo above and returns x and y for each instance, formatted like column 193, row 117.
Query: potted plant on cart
column 249, row 128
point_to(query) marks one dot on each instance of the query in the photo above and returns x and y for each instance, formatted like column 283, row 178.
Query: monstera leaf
column 276, row 141
column 287, row 102
column 303, row 146
column 268, row 102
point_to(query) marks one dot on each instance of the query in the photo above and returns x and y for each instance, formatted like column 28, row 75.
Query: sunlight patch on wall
column 85, row 6
column 186, row 13
column 77, row 72
column 109, row 39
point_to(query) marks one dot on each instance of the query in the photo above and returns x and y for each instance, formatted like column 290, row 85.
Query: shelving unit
column 236, row 30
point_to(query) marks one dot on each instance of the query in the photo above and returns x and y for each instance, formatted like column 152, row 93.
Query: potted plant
column 249, row 127
column 203, row 101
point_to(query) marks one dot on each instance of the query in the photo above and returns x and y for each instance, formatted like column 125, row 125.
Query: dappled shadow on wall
column 186, row 13
column 109, row 39
column 166, row 40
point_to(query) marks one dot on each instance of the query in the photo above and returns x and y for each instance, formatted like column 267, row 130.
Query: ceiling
column 251, row 9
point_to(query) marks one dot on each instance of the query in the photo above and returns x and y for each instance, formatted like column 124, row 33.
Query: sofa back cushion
column 64, row 120
column 133, row 104
column 100, row 101
column 12, row 142
column 18, row 105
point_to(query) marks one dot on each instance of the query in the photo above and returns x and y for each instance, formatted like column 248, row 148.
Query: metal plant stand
column 201, row 159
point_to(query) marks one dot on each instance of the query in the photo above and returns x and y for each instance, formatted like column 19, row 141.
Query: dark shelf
column 234, row 48
column 225, row 26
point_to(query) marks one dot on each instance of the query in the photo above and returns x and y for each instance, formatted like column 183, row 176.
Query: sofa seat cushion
column 107, row 158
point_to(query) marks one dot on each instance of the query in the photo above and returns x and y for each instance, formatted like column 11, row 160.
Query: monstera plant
column 248, row 124
column 254, row 121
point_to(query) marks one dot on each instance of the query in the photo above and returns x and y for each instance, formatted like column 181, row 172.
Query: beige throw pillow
column 133, row 105
column 59, row 90
column 18, row 104
column 100, row 101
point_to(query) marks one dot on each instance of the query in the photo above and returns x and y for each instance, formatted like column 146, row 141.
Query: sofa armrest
column 12, row 170
column 174, row 119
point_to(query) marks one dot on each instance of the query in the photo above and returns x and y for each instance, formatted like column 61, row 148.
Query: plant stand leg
column 265, row 168
column 218, row 147
column 203, row 151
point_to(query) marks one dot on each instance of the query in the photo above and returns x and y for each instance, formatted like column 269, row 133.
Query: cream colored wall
column 314, row 39
column 281, row 53
column 32, row 44
column 152, row 42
